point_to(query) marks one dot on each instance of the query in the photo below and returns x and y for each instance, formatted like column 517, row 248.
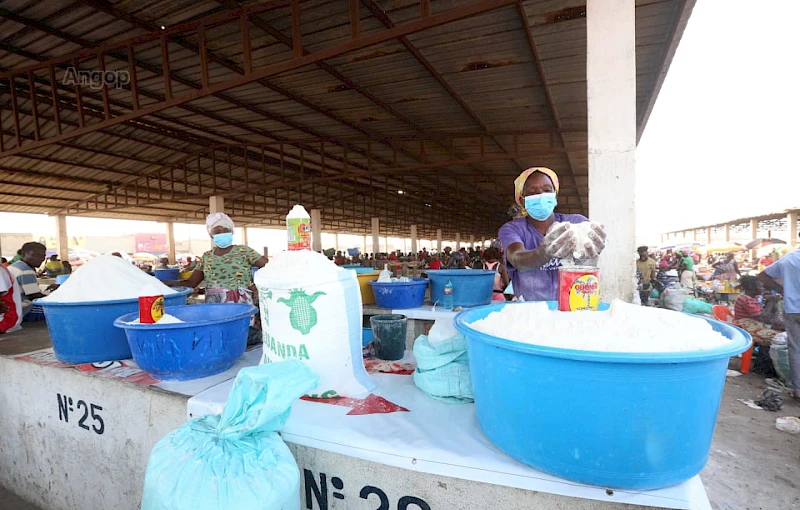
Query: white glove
column 560, row 241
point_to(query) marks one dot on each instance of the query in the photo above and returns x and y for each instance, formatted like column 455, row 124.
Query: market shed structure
column 412, row 112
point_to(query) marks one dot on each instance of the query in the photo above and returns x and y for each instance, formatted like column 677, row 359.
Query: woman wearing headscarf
column 534, row 243
column 227, row 269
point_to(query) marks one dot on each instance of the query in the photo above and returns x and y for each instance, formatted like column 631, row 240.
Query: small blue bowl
column 167, row 274
column 209, row 341
column 610, row 419
column 400, row 295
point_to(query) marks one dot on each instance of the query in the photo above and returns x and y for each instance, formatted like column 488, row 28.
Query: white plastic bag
column 790, row 424
column 673, row 298
column 311, row 311
column 236, row 459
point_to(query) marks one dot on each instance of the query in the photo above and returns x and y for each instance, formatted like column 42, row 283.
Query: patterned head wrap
column 219, row 219
column 519, row 184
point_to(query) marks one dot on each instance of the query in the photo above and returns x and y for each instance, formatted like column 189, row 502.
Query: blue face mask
column 541, row 206
column 223, row 240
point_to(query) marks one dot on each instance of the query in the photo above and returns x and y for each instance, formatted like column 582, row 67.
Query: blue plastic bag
column 692, row 305
column 235, row 460
column 443, row 369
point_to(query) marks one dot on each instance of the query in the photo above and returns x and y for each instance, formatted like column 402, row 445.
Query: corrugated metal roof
column 449, row 115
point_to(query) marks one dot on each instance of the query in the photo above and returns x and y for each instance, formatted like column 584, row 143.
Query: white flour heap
column 165, row 319
column 581, row 231
column 623, row 328
column 287, row 265
column 107, row 278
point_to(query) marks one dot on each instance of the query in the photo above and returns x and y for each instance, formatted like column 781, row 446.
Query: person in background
column 760, row 321
column 32, row 255
column 533, row 246
column 53, row 267
column 767, row 261
column 339, row 259
column 16, row 257
column 163, row 263
column 10, row 302
column 727, row 268
column 784, row 277
column 435, row 262
column 67, row 268
column 190, row 264
column 3, row 262
column 647, row 267
column 227, row 269
column 686, row 270
column 494, row 262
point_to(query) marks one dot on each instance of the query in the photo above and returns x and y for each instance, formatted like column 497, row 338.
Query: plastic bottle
column 298, row 226
column 448, row 296
column 385, row 275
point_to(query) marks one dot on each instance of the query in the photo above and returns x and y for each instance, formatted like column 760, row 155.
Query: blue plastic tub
column 366, row 336
column 400, row 296
column 471, row 287
column 167, row 274
column 209, row 341
column 618, row 420
column 85, row 333
column 360, row 270
column 60, row 279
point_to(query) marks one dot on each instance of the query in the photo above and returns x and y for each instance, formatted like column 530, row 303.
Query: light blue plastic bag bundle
column 235, row 460
column 443, row 367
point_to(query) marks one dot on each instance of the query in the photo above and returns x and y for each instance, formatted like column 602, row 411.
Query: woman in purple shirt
column 534, row 247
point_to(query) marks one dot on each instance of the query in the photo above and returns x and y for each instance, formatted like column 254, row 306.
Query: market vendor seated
column 53, row 267
column 227, row 269
column 24, row 271
column 762, row 322
column 534, row 248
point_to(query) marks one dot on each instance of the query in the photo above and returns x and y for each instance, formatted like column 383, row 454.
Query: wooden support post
column 611, row 103
column 727, row 232
column 753, row 235
column 244, row 236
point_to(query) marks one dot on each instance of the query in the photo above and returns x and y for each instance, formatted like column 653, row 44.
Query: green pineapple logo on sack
column 311, row 311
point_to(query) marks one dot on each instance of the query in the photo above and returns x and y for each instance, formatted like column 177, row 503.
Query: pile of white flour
column 107, row 278
column 165, row 319
column 623, row 328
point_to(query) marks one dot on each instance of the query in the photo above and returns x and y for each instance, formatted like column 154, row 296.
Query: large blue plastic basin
column 85, row 333
column 167, row 274
column 618, row 420
column 471, row 287
column 400, row 295
column 209, row 341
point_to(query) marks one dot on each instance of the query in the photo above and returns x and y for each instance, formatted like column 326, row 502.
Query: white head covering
column 219, row 219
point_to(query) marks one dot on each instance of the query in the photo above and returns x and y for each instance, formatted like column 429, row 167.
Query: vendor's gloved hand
column 560, row 241
column 598, row 237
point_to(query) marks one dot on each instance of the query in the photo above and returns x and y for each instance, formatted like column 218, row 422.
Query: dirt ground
column 752, row 465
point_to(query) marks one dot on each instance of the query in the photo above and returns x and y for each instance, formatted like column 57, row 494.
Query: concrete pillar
column 753, row 235
column 439, row 240
column 171, row 242
column 708, row 235
column 611, row 105
column 62, row 238
column 472, row 242
column 386, row 243
column 414, row 240
column 244, row 236
column 365, row 245
column 694, row 235
column 316, row 230
column 727, row 232
column 458, row 241
column 376, row 239
column 336, row 241
column 216, row 204
column 791, row 218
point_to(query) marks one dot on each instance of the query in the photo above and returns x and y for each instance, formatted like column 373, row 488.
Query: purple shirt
column 536, row 284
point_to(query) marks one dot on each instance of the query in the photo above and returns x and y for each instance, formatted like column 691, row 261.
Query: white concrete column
column 316, row 230
column 365, row 245
column 439, row 240
column 753, row 235
column 458, row 241
column 171, row 242
column 611, row 103
column 694, row 235
column 244, row 236
column 336, row 241
column 216, row 204
column 727, row 232
column 791, row 218
column 414, row 240
column 376, row 235
column 62, row 238
column 386, row 243
column 708, row 235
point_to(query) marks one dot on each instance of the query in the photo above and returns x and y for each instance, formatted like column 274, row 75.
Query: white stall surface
column 400, row 426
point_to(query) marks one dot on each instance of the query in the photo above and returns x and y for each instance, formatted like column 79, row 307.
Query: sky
column 721, row 141
column 719, row 145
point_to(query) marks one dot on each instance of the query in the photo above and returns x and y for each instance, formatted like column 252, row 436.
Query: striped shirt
column 26, row 279
column 746, row 307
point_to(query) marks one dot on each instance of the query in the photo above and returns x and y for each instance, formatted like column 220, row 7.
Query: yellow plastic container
column 186, row 274
column 367, row 297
